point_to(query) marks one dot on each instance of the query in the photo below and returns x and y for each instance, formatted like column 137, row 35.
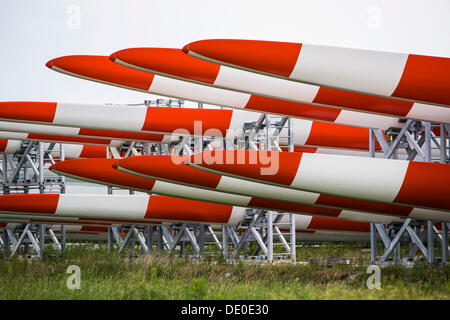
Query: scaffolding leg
column 247, row 232
column 63, row 239
column 191, row 235
column 140, row 236
column 201, row 240
column 373, row 243
column 19, row 241
column 396, row 240
column 269, row 236
column 444, row 242
column 127, row 239
column 41, row 170
column 160, row 239
column 214, row 236
column 225, row 242
column 416, row 243
column 397, row 252
column 293, row 237
column 6, row 242
column 149, row 238
column 41, row 234
column 183, row 249
column 110, row 240
column 430, row 242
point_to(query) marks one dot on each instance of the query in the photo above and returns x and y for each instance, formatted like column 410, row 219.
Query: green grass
column 164, row 277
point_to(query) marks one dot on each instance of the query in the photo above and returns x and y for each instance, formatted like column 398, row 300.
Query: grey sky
column 32, row 32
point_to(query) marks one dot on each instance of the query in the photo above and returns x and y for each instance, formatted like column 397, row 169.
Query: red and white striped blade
column 84, row 134
column 50, row 219
column 136, row 208
column 16, row 135
column 280, row 96
column 71, row 151
column 171, row 168
column 310, row 135
column 118, row 117
column 101, row 171
column 412, row 183
column 177, row 121
column 139, row 209
column 407, row 76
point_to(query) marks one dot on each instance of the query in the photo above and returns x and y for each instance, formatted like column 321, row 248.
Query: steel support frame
column 416, row 145
column 263, row 228
column 32, row 156
column 34, row 234
column 143, row 236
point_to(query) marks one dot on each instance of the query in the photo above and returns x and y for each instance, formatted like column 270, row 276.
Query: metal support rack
column 25, row 172
column 33, row 238
column 271, row 230
column 264, row 228
column 429, row 142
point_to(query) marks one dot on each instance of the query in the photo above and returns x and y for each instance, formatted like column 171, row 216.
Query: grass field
column 163, row 277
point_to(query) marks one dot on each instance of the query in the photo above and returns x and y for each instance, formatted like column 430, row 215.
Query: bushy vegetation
column 158, row 276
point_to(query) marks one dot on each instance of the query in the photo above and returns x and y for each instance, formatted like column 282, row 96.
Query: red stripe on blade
column 170, row 208
column 28, row 111
column 425, row 78
column 295, row 109
column 170, row 167
column 267, row 56
column 426, row 184
column 102, row 69
column 169, row 61
column 102, row 170
column 271, row 166
column 30, row 203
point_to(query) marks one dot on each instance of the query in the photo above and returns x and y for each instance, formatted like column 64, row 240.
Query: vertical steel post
column 183, row 249
column 373, row 232
column 160, row 239
column 293, row 238
column 371, row 143
column 41, row 166
column 201, row 240
column 149, row 238
column 268, row 140
column 443, row 133
column 373, row 242
column 269, row 236
column 62, row 157
column 41, row 233
column 63, row 239
column 430, row 242
column 397, row 253
column 291, row 135
column 110, row 240
column 444, row 231
column 5, row 174
column 225, row 242
column 427, row 141
column 6, row 243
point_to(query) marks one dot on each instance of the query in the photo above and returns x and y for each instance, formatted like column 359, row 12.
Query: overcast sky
column 32, row 32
